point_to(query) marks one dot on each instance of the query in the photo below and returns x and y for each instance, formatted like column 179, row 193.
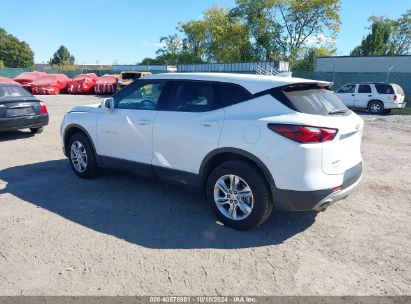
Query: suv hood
column 86, row 108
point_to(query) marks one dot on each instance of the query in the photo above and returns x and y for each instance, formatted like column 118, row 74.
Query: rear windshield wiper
column 337, row 111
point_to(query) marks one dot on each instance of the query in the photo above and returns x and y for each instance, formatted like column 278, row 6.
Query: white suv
column 378, row 98
column 252, row 143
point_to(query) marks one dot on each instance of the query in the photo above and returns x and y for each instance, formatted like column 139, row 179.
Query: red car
column 8, row 80
column 50, row 84
column 26, row 78
column 106, row 84
column 82, row 84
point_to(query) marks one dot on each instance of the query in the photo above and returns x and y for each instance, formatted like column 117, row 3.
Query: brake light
column 304, row 134
column 43, row 108
column 395, row 97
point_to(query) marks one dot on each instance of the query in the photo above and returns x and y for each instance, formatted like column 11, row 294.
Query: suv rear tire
column 239, row 195
column 81, row 156
column 375, row 107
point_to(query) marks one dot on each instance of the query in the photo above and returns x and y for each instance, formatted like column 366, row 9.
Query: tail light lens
column 395, row 97
column 43, row 108
column 304, row 134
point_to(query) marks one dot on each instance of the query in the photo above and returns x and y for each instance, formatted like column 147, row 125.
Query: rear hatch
column 399, row 92
column 322, row 108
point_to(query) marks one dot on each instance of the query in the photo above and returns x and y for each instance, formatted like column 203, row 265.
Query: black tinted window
column 190, row 96
column 364, row 88
column 384, row 89
column 349, row 88
column 231, row 94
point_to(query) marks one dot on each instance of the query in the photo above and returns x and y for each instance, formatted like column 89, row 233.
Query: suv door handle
column 369, row 95
column 352, row 94
column 144, row 122
column 209, row 123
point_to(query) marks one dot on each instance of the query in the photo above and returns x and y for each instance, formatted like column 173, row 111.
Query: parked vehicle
column 26, row 78
column 8, row 80
column 19, row 109
column 252, row 143
column 82, row 84
column 128, row 77
column 50, row 84
column 106, row 84
column 376, row 97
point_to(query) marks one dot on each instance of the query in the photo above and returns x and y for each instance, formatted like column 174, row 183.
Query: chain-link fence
column 340, row 79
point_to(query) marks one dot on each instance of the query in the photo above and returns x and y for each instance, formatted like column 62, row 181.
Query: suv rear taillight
column 304, row 134
column 395, row 97
column 43, row 108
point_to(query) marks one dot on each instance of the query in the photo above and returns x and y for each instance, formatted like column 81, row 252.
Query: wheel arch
column 377, row 100
column 72, row 129
column 218, row 156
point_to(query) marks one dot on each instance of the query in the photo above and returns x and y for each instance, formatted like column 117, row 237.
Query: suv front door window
column 347, row 94
column 126, row 131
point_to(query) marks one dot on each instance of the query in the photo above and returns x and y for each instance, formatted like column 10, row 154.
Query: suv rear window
column 316, row 101
column 308, row 99
column 384, row 89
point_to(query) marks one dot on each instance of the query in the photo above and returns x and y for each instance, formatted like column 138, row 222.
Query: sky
column 126, row 31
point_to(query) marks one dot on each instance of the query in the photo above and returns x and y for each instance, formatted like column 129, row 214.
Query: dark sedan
column 19, row 109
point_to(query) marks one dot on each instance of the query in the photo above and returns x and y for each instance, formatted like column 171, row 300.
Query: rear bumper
column 289, row 200
column 23, row 122
column 394, row 105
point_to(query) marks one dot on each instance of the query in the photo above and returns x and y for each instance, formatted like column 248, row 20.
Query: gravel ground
column 124, row 235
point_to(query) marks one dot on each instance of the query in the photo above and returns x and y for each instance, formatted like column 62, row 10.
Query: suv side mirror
column 107, row 103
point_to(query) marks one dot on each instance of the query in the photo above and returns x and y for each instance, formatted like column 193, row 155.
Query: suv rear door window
column 231, row 94
column 364, row 88
column 190, row 96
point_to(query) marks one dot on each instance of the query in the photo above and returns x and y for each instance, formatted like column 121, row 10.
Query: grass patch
column 405, row 111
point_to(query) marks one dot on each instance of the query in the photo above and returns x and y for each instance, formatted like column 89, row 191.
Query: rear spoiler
column 298, row 86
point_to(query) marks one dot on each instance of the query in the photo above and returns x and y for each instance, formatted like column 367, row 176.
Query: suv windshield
column 317, row 101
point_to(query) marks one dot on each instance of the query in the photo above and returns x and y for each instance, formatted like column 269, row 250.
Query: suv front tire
column 239, row 195
column 81, row 156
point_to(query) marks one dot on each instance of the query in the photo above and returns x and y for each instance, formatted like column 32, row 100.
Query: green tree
column 377, row 41
column 386, row 37
column 15, row 53
column 218, row 37
column 282, row 28
column 62, row 57
column 307, row 62
column 2, row 66
column 401, row 37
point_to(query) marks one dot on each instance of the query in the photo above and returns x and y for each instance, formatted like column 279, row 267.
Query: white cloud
column 151, row 44
column 319, row 39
